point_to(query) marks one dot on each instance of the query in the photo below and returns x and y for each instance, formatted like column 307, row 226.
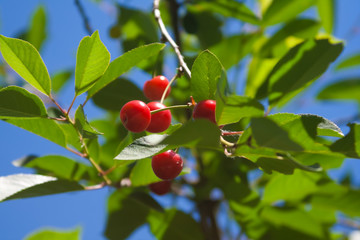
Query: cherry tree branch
column 84, row 17
column 165, row 33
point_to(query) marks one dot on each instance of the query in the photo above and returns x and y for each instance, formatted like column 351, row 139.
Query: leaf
column 291, row 188
column 37, row 30
column 81, row 123
column 174, row 224
column 26, row 61
column 230, row 8
column 234, row 48
column 298, row 68
column 350, row 144
column 143, row 175
column 92, row 59
column 125, row 214
column 117, row 93
column 293, row 218
column 59, row 79
column 268, row 134
column 45, row 128
column 345, row 89
column 301, row 28
column 206, row 71
column 33, row 185
column 200, row 133
column 282, row 11
column 55, row 234
column 124, row 63
column 326, row 10
column 16, row 102
column 233, row 108
column 58, row 166
column 143, row 147
column 349, row 62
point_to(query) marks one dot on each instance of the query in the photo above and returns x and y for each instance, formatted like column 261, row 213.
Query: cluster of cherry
column 136, row 117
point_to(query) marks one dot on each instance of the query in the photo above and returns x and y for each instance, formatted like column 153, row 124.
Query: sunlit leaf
column 326, row 9
column 346, row 89
column 351, row 61
column 55, row 234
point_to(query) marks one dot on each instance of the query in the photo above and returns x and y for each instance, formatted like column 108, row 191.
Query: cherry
column 135, row 116
column 160, row 121
column 154, row 88
column 205, row 109
column 167, row 165
column 160, row 188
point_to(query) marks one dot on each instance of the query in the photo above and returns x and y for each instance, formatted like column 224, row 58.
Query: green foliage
column 55, row 234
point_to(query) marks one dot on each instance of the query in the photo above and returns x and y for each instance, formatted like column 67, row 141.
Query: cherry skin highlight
column 135, row 116
column 205, row 109
column 167, row 165
column 160, row 188
column 160, row 121
column 154, row 88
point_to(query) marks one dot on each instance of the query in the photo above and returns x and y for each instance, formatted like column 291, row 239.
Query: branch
column 84, row 17
column 165, row 33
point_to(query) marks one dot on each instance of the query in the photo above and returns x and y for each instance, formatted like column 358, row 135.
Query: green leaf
column 206, row 71
column 124, row 63
column 232, row 49
column 33, row 185
column 349, row 62
column 16, row 102
column 26, row 61
column 37, row 31
column 59, row 79
column 326, row 10
column 295, row 219
column 174, row 224
column 143, row 147
column 301, row 28
column 81, row 123
column 282, row 11
column 298, row 68
column 58, row 166
column 291, row 188
column 268, row 134
column 200, row 133
column 230, row 8
column 92, row 59
column 117, row 93
column 350, row 144
column 126, row 213
column 55, row 234
column 345, row 89
column 45, row 128
column 233, row 108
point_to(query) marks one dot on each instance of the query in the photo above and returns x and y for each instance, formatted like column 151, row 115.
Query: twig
column 72, row 103
column 165, row 33
column 174, row 6
column 84, row 17
column 95, row 187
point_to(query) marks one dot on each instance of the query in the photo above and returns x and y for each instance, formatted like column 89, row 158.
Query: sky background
column 87, row 209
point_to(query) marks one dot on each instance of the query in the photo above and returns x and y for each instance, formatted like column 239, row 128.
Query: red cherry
column 205, row 109
column 160, row 121
column 167, row 165
column 135, row 116
column 154, row 88
column 160, row 188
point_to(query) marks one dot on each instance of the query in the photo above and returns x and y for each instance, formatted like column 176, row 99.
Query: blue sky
column 65, row 30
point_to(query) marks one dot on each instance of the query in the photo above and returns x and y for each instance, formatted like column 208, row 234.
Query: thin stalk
column 167, row 88
column 72, row 103
column 171, row 107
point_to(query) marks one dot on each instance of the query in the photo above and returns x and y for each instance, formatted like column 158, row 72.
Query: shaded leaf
column 350, row 144
column 92, row 59
column 233, row 108
column 346, row 89
column 33, row 185
column 26, row 61
column 349, row 62
column 59, row 79
column 143, row 147
column 37, row 30
column 205, row 71
column 16, row 102
column 81, row 123
column 124, row 63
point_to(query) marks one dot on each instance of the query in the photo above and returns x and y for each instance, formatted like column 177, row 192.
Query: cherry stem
column 95, row 187
column 167, row 88
column 231, row 133
column 226, row 143
column 166, row 34
column 57, row 104
column 171, row 107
